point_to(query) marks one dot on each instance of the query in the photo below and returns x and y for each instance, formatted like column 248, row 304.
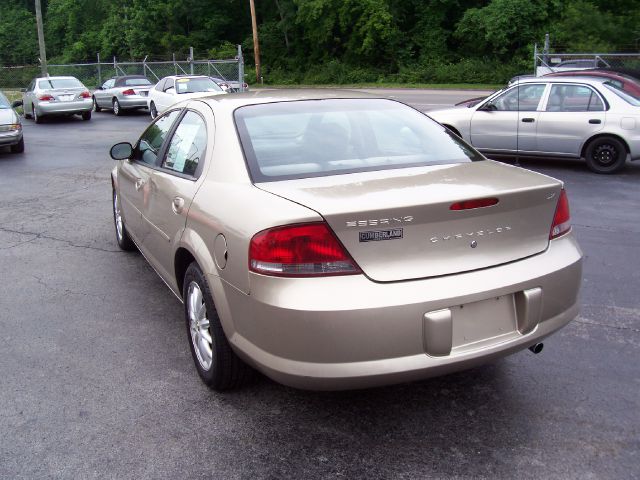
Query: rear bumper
column 64, row 108
column 349, row 332
column 10, row 138
column 132, row 101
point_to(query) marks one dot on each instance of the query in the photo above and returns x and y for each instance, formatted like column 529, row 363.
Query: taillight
column 471, row 204
column 129, row 92
column 302, row 250
column 85, row 95
column 562, row 218
column 45, row 98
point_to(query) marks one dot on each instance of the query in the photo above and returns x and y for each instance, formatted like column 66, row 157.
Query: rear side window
column 314, row 138
column 152, row 139
column 626, row 95
column 573, row 98
column 187, row 145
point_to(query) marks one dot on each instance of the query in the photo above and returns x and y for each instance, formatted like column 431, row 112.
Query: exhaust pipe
column 536, row 347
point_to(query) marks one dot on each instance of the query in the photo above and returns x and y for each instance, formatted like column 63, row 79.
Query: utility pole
column 43, row 51
column 256, row 45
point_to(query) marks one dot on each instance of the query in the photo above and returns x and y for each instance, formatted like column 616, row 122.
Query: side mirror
column 121, row 151
column 488, row 107
column 170, row 90
column 16, row 104
column 99, row 87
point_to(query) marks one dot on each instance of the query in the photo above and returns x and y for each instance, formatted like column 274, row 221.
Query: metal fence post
column 99, row 70
column 175, row 67
column 191, row 59
column 535, row 57
column 240, row 69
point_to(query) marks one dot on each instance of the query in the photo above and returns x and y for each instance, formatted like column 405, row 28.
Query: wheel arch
column 586, row 143
column 192, row 248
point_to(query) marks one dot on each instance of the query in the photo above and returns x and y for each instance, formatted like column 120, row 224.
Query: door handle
column 139, row 183
column 177, row 205
column 595, row 121
column 528, row 120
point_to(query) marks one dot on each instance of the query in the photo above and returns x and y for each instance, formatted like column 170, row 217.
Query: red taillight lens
column 562, row 218
column 303, row 250
column 85, row 95
column 129, row 92
column 470, row 204
column 45, row 98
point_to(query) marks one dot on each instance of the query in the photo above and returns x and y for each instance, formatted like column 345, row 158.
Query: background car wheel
column 34, row 114
column 25, row 114
column 86, row 115
column 217, row 364
column 152, row 110
column 606, row 155
column 18, row 147
column 96, row 107
column 123, row 238
column 116, row 107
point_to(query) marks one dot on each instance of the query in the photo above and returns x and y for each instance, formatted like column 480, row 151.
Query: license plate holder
column 485, row 322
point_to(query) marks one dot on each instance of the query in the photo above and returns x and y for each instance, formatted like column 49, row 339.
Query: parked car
column 572, row 117
column 573, row 64
column 230, row 85
column 128, row 92
column 10, row 127
column 176, row 88
column 334, row 240
column 56, row 96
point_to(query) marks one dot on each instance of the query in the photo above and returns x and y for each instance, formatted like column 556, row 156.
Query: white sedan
column 175, row 88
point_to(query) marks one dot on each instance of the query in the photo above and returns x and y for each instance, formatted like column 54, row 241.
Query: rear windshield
column 626, row 95
column 316, row 138
column 52, row 83
column 193, row 85
column 135, row 82
column 4, row 103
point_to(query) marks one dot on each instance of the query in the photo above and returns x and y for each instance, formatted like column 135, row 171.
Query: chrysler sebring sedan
column 56, row 96
column 575, row 117
column 128, row 92
column 333, row 240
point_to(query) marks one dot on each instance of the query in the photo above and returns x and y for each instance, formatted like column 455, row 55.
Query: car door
column 173, row 187
column 134, row 176
column 103, row 96
column 165, row 98
column 507, row 123
column 573, row 113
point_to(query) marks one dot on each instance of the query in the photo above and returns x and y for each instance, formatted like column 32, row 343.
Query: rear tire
column 217, row 364
column 18, row 147
column 86, row 115
column 152, row 110
column 606, row 155
column 96, row 107
column 117, row 110
column 36, row 118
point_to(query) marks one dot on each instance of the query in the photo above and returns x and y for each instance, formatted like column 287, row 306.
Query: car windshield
column 627, row 96
column 53, row 83
column 4, row 102
column 135, row 82
column 303, row 139
column 193, row 85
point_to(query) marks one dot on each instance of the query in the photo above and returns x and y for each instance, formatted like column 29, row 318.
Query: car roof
column 60, row 77
column 572, row 79
column 129, row 76
column 285, row 95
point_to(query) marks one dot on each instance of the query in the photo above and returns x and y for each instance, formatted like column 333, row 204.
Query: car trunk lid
column 400, row 225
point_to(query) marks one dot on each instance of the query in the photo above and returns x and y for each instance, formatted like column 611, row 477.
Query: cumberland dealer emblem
column 478, row 233
column 378, row 235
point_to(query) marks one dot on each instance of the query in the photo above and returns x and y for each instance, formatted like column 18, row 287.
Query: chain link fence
column 93, row 74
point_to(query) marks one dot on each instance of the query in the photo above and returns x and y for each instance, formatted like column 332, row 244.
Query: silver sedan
column 122, row 93
column 577, row 117
column 55, row 96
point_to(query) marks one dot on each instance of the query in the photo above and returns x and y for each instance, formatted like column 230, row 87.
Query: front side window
column 160, row 85
column 303, row 139
column 187, row 146
column 108, row 84
column 524, row 98
column 152, row 139
column 573, row 98
column 4, row 102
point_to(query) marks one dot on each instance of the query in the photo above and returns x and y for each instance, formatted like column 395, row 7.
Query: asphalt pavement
column 97, row 381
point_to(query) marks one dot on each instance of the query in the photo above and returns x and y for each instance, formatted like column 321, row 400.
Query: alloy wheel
column 199, row 326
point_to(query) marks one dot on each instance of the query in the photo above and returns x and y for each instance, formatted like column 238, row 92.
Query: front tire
column 218, row 366
column 117, row 110
column 34, row 113
column 152, row 110
column 122, row 236
column 606, row 155
column 18, row 147
column 96, row 107
column 86, row 115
